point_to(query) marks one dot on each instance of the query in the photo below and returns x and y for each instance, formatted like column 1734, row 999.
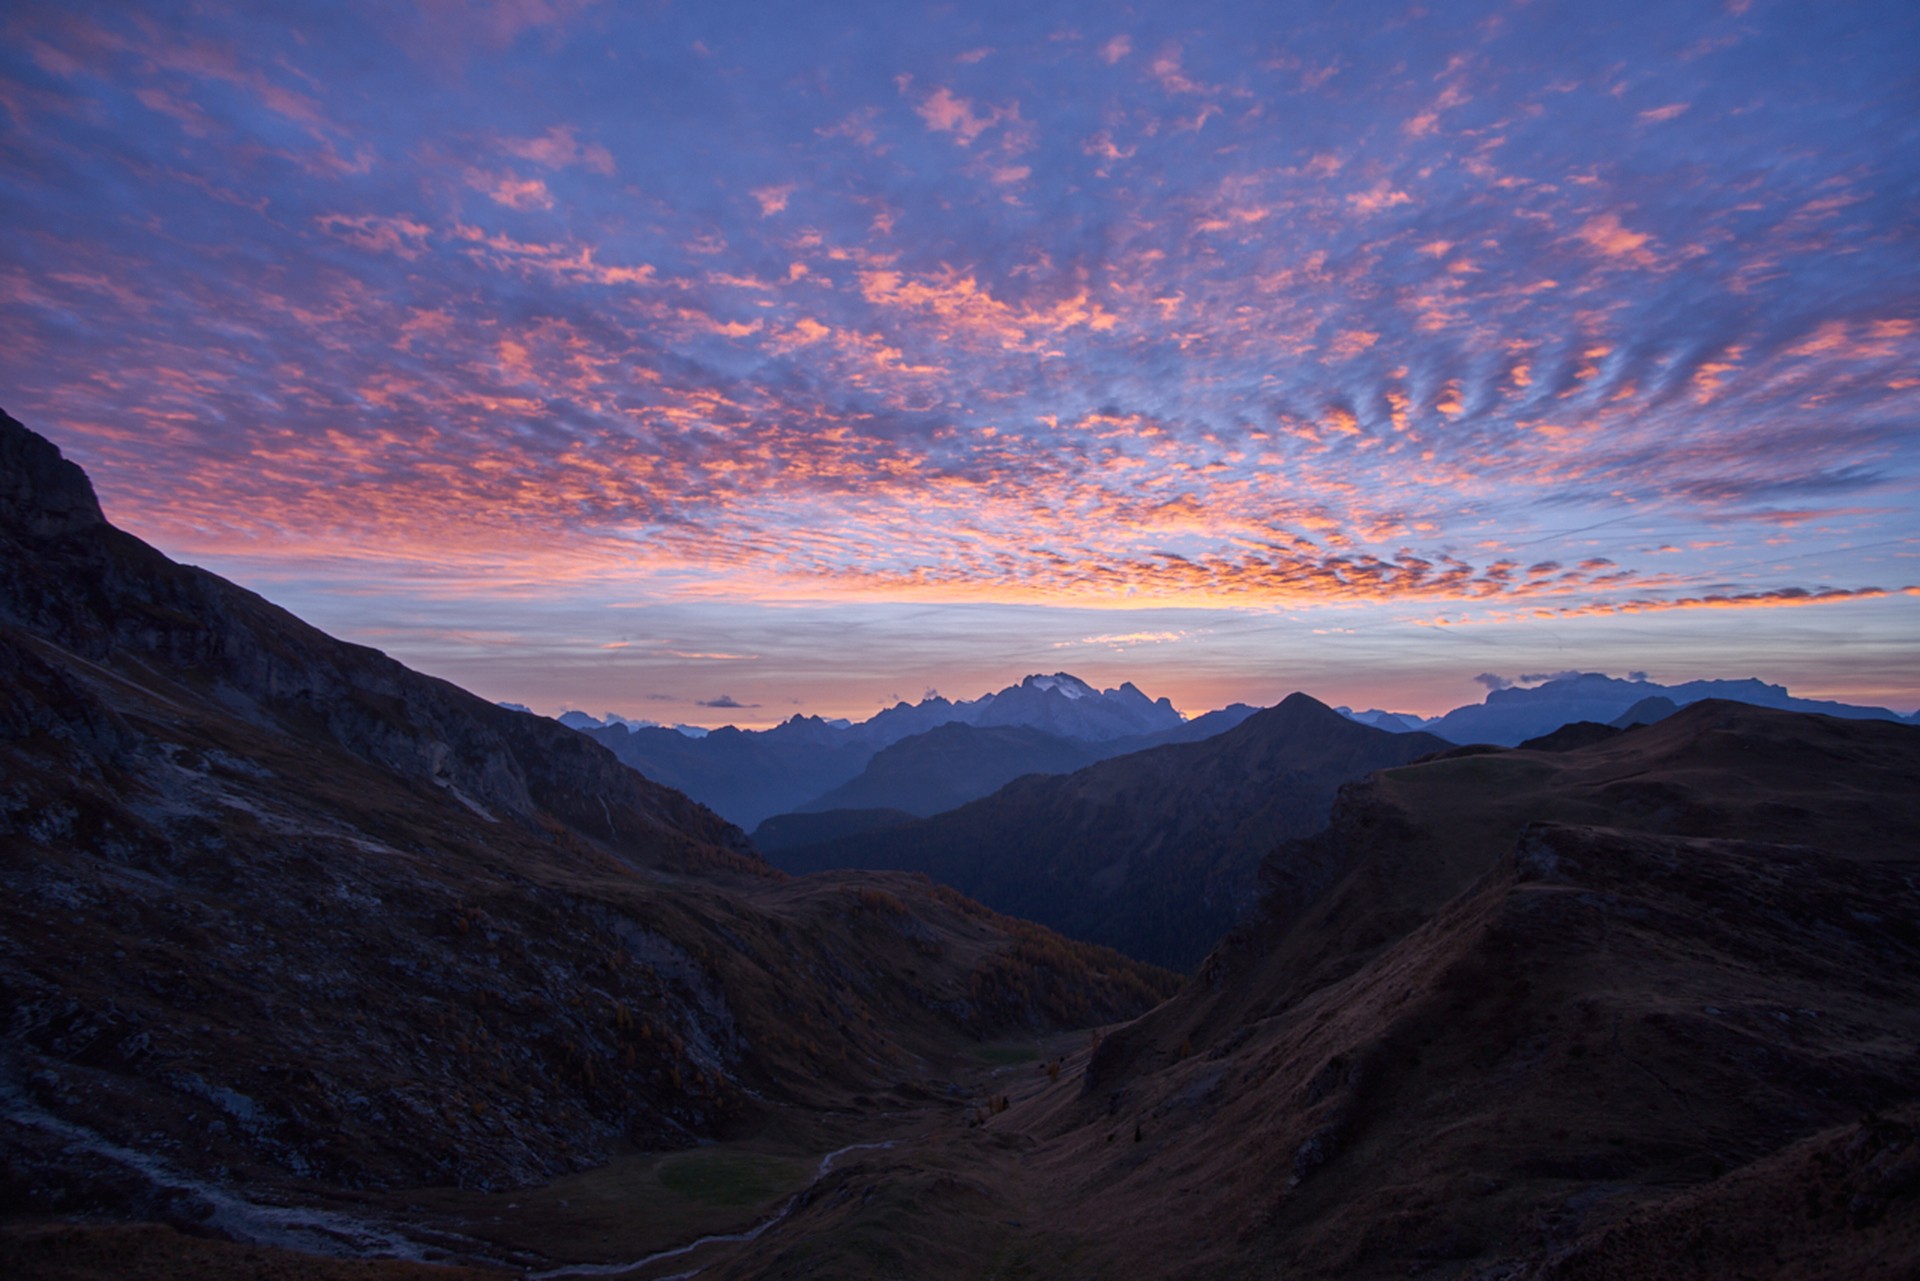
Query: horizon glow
column 725, row 362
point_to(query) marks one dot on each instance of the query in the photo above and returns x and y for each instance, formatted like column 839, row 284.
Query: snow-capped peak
column 1069, row 686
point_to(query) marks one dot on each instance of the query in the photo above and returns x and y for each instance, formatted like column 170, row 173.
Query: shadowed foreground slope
column 1638, row 1009
column 280, row 916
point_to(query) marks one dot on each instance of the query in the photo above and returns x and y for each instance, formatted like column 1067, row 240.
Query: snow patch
column 1067, row 686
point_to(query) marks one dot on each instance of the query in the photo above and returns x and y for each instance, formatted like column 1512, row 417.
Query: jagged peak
column 43, row 494
column 1066, row 684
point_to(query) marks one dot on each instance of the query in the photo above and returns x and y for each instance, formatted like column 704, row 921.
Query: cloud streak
column 1064, row 318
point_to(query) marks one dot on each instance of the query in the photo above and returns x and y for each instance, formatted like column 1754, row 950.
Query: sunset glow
column 641, row 358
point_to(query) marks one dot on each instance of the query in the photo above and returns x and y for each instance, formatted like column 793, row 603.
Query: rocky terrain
column 283, row 921
column 1637, row 1009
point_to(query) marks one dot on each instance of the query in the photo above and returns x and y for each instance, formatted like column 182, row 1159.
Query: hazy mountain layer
column 746, row 775
column 1153, row 853
column 947, row 767
column 749, row 775
column 789, row 831
column 1509, row 716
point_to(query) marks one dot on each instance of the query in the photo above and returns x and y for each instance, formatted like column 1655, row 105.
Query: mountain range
column 810, row 764
column 1046, row 723
column 1509, row 716
column 1153, row 853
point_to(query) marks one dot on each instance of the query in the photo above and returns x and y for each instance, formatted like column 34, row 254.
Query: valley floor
column 717, row 1210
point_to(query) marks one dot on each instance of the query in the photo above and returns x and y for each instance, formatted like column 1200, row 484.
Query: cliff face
column 42, row 494
column 71, row 577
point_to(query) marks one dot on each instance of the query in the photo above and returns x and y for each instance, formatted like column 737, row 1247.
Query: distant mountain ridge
column 946, row 767
column 750, row 775
column 811, row 764
column 952, row 764
column 1154, row 852
column 1510, row 716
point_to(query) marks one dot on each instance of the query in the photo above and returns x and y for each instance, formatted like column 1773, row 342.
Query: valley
column 1008, row 641
column 318, row 967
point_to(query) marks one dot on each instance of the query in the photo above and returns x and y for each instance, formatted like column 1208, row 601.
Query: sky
column 720, row 362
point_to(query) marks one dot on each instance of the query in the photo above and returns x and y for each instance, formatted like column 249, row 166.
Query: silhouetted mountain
column 1398, row 722
column 1571, row 735
column 790, row 831
column 1638, row 1009
column 279, row 916
column 1199, row 728
column 1068, row 707
column 749, row 775
column 746, row 775
column 1153, row 853
column 952, row 765
column 1509, row 716
column 942, row 769
column 1647, row 711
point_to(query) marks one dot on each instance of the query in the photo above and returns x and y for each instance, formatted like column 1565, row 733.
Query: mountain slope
column 946, row 767
column 1507, row 1004
column 282, row 915
column 1638, row 1009
column 746, row 775
column 1153, row 853
column 789, row 831
column 949, row 766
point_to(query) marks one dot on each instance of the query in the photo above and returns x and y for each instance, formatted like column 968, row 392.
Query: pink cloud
column 1352, row 342
column 557, row 148
column 395, row 235
column 512, row 191
column 1606, row 235
column 193, row 121
column 1166, row 68
column 772, row 200
column 946, row 112
column 1381, row 195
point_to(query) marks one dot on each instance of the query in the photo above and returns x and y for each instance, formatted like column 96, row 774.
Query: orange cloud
column 1352, row 342
column 1605, row 234
column 1776, row 598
